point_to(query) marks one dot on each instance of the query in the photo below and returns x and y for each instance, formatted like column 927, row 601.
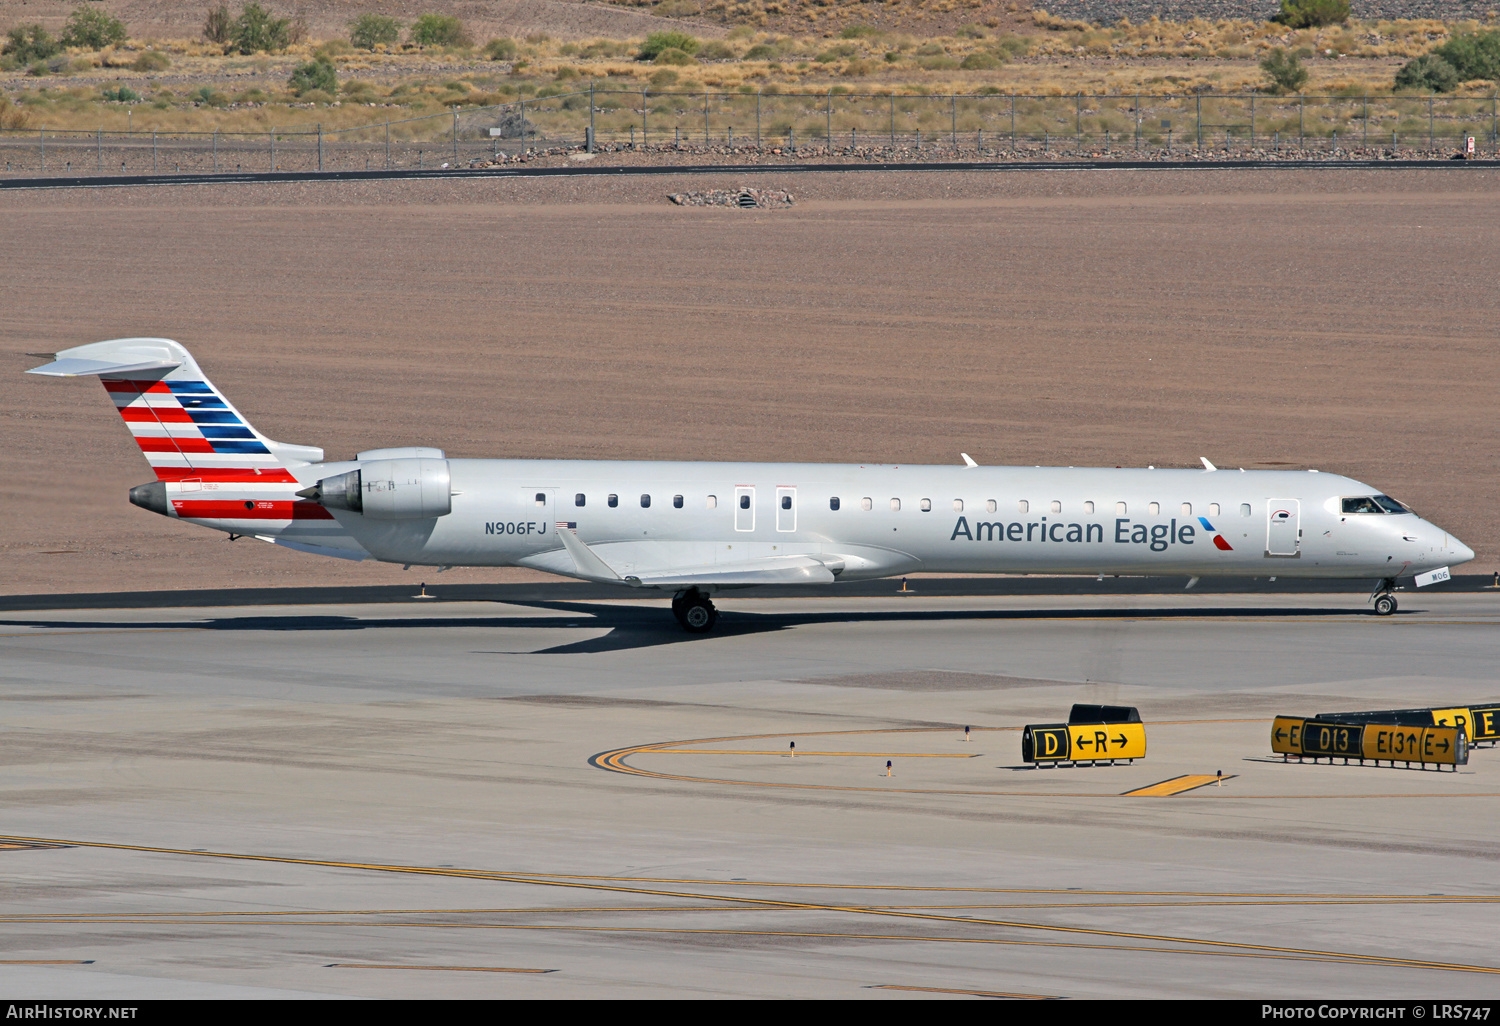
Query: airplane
column 696, row 529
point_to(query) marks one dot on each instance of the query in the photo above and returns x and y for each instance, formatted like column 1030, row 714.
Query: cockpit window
column 1374, row 504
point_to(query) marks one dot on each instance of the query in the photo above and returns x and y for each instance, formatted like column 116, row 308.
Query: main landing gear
column 694, row 611
column 1385, row 600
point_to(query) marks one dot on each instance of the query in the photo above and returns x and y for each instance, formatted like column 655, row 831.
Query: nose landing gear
column 694, row 611
column 1385, row 600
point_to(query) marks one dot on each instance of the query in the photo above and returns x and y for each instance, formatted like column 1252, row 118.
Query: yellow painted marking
column 1176, row 785
column 969, row 993
column 778, row 751
column 615, row 761
column 1221, row 946
column 438, row 968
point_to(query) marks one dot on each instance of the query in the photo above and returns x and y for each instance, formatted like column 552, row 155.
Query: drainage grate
column 746, row 200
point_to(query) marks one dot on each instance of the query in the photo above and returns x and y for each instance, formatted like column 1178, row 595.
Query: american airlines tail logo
column 1219, row 541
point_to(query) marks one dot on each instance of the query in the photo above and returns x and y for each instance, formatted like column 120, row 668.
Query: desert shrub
column 28, row 43
column 1313, row 13
column 439, row 30
column 258, row 29
column 1285, row 71
column 1429, row 73
column 316, row 96
column 501, row 49
column 982, row 61
column 208, row 96
column 218, row 25
column 92, row 29
column 1473, row 55
column 333, row 48
column 11, row 116
column 151, row 60
column 252, row 96
column 717, row 51
column 358, row 90
column 318, row 74
column 858, row 31
column 677, row 9
column 971, row 32
column 371, row 30
column 658, row 43
column 760, row 52
column 119, row 94
column 674, row 56
column 663, row 78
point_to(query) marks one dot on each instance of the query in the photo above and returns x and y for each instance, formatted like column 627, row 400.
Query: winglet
column 590, row 567
column 968, row 460
column 1207, row 465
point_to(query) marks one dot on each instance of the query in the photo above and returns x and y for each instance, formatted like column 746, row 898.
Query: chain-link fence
column 956, row 126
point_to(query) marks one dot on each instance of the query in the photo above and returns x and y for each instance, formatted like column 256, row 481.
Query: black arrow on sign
column 1082, row 743
column 1444, row 745
column 1120, row 740
column 1279, row 733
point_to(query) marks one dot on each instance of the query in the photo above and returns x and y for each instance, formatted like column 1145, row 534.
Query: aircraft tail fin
column 185, row 426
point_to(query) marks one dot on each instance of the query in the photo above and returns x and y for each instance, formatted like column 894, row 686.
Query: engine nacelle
column 408, row 489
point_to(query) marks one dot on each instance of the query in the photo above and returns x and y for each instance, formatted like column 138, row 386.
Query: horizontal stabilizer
column 124, row 362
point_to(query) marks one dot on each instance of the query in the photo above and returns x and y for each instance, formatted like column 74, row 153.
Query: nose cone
column 1461, row 552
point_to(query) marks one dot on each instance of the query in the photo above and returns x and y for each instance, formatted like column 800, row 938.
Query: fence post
column 99, row 144
column 1078, row 121
column 388, row 142
column 320, row 147
column 455, row 137
column 43, row 132
column 1012, row 122
column 1429, row 120
column 828, row 123
column 705, row 117
column 893, row 121
column 953, row 116
column 216, row 149
column 1137, row 122
column 1301, row 132
column 1364, row 138
column 591, row 122
column 1200, row 120
column 645, row 107
column 1494, row 122
column 757, row 119
column 271, row 136
column 153, row 151
column 1252, row 121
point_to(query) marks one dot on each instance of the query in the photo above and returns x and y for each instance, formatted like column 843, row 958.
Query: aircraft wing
column 587, row 565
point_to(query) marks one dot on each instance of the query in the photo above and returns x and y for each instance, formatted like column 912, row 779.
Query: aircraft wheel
column 1385, row 605
column 698, row 615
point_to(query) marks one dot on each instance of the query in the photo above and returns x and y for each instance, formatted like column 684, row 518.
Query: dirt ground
column 1335, row 319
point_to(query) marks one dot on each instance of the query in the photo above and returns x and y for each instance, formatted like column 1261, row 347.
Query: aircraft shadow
column 633, row 627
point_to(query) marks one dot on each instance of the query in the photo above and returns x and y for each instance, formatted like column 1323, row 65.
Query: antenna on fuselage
column 968, row 460
column 1207, row 465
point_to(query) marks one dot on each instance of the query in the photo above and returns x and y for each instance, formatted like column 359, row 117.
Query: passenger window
column 1361, row 505
column 1187, row 509
column 541, row 498
column 866, row 504
column 1023, row 506
column 1056, row 506
column 578, row 499
column 1155, row 508
column 958, row 505
column 677, row 501
column 1244, row 509
column 645, row 501
column 926, row 505
column 713, row 502
column 1088, row 507
column 833, row 503
column 1120, row 508
column 786, row 502
column 744, row 501
column 991, row 505
column 614, row 500
column 895, row 505
column 1213, row 509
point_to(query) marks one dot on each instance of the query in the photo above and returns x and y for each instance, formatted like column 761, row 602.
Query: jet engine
column 401, row 489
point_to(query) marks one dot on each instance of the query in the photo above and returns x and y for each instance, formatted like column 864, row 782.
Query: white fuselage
column 889, row 520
